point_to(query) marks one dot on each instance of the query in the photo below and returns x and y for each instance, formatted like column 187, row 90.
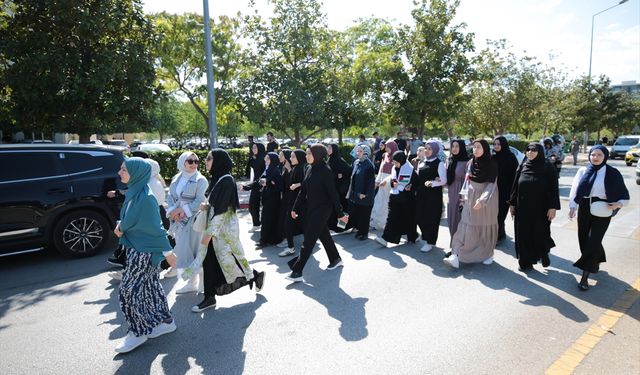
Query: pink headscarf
column 387, row 163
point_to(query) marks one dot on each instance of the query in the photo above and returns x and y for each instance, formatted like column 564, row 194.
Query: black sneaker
column 259, row 281
column 296, row 277
column 335, row 264
column 207, row 303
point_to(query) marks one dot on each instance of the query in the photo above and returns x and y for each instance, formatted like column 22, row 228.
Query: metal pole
column 211, row 97
column 586, row 132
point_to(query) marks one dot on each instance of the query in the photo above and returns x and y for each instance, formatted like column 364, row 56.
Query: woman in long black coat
column 271, row 181
column 319, row 199
column 341, row 177
column 291, row 227
column 257, row 166
column 507, row 165
column 534, row 201
column 361, row 192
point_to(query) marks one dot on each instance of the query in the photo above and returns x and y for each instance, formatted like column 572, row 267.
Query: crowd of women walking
column 318, row 194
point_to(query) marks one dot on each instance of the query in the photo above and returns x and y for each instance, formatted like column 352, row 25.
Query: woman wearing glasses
column 186, row 192
column 534, row 201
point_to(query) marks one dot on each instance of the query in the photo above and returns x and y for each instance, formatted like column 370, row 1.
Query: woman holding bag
column 220, row 252
column 599, row 191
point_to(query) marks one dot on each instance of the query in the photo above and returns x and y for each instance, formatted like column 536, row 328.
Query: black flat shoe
column 583, row 287
column 525, row 268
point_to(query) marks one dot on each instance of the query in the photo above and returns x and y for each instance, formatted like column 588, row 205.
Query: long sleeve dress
column 475, row 239
column 271, row 199
column 453, row 193
column 534, row 192
column 429, row 199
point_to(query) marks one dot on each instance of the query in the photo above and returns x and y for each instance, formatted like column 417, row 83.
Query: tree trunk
column 84, row 138
column 340, row 130
column 296, row 138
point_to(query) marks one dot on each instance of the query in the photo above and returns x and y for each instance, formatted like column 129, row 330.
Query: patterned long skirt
column 142, row 299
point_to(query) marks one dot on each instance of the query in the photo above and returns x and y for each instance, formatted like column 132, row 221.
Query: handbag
column 201, row 221
column 600, row 209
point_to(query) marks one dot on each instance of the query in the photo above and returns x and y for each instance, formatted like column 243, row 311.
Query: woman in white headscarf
column 186, row 192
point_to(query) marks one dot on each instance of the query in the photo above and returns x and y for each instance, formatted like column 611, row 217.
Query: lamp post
column 586, row 132
column 211, row 97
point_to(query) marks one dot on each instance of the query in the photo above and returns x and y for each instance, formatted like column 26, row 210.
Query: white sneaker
column 452, row 260
column 171, row 272
column 116, row 275
column 130, row 342
column 282, row 244
column 488, row 261
column 190, row 287
column 381, row 241
column 288, row 251
column 162, row 329
column 426, row 248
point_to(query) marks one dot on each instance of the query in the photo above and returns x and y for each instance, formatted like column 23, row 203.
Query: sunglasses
column 193, row 161
column 532, row 149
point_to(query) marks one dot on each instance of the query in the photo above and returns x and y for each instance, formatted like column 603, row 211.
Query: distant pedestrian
column 247, row 168
column 257, row 168
column 400, row 141
column 319, row 200
column 534, row 201
column 413, row 145
column 475, row 238
column 379, row 156
column 361, row 193
column 272, row 144
column 142, row 299
column 598, row 182
column 292, row 227
column 342, row 178
column 271, row 182
column 377, row 142
column 574, row 147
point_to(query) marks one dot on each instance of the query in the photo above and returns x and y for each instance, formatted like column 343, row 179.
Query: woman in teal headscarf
column 141, row 233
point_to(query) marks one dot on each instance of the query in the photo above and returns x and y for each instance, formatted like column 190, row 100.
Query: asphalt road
column 387, row 311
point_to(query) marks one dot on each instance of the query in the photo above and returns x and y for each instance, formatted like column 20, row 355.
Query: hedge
column 169, row 161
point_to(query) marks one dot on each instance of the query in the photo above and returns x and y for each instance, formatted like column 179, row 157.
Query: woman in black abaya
column 507, row 165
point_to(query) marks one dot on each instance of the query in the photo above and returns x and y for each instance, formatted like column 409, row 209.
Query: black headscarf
column 274, row 161
column 336, row 162
column 454, row 159
column 483, row 169
column 262, row 151
column 287, row 154
column 297, row 171
column 504, row 155
column 614, row 186
column 221, row 199
column 537, row 164
column 319, row 153
column 400, row 157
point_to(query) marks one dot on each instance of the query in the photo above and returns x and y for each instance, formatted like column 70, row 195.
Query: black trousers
column 214, row 281
column 503, row 210
column 313, row 232
column 591, row 231
column 254, row 206
column 359, row 217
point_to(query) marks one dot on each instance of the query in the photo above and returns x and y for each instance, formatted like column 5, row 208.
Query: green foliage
column 81, row 66
column 169, row 167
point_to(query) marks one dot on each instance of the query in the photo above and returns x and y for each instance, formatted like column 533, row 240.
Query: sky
column 538, row 28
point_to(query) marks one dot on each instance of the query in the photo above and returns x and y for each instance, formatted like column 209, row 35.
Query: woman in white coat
column 186, row 192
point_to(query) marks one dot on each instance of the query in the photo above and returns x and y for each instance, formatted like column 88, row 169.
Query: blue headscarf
column 140, row 172
column 140, row 221
column 613, row 182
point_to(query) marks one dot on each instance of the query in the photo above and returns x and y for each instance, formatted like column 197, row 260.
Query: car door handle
column 57, row 191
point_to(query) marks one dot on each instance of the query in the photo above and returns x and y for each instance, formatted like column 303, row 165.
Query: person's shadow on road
column 349, row 311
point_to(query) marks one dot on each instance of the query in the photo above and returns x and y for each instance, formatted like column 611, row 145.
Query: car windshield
column 626, row 141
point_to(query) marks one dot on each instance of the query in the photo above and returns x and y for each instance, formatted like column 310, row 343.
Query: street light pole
column 211, row 97
column 593, row 18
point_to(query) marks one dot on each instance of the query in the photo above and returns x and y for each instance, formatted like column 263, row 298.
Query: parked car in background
column 519, row 155
column 76, row 142
column 152, row 147
column 632, row 155
column 622, row 145
column 119, row 143
column 56, row 196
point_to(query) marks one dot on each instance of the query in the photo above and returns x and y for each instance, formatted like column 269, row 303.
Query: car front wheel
column 81, row 233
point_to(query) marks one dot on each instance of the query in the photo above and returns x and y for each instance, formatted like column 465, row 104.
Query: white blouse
column 597, row 190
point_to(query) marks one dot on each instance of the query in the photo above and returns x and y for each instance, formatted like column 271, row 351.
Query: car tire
column 81, row 233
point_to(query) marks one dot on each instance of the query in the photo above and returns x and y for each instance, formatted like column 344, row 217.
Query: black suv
column 56, row 195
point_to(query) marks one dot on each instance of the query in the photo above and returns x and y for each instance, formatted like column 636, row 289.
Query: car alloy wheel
column 81, row 233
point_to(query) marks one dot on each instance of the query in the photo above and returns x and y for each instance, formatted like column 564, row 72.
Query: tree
column 80, row 66
column 180, row 60
column 282, row 85
column 439, row 68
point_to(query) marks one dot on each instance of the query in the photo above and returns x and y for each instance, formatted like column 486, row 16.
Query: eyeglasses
column 532, row 150
column 193, row 161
